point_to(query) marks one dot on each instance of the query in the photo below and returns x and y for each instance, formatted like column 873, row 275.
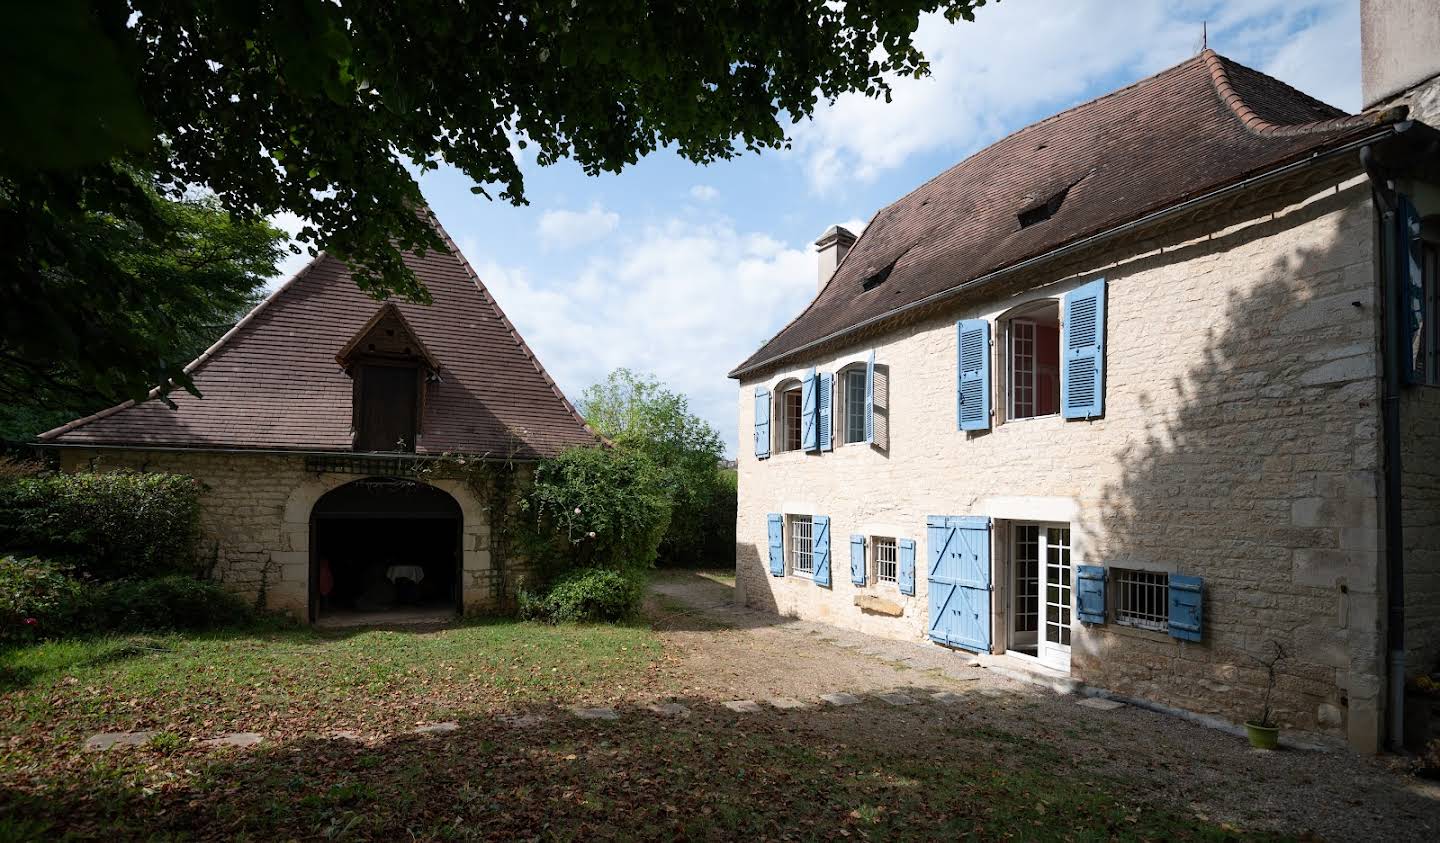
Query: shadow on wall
column 1257, row 473
column 752, row 578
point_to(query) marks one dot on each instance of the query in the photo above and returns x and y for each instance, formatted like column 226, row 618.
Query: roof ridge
column 1252, row 121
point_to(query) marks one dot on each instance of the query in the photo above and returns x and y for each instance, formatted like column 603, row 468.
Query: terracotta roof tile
column 273, row 382
column 1201, row 125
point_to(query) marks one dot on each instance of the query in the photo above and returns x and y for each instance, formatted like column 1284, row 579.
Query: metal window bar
column 1142, row 599
column 887, row 565
column 802, row 544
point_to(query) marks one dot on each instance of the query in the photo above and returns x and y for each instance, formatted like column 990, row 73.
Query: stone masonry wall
column 1239, row 443
column 1420, row 513
column 256, row 512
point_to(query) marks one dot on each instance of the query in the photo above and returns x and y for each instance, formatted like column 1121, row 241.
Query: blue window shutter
column 1090, row 593
column 808, row 439
column 857, row 559
column 972, row 394
column 1082, row 352
column 820, row 545
column 762, row 423
column 1186, row 595
column 825, row 414
column 777, row 544
column 1412, row 286
column 870, row 399
column 905, row 574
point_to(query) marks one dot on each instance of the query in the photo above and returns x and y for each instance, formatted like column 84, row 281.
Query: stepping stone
column 840, row 699
column 897, row 699
column 106, row 741
column 670, row 709
column 345, row 735
column 786, row 704
column 437, row 728
column 595, row 713
column 1100, row 703
column 947, row 697
column 236, row 739
column 523, row 721
column 742, row 706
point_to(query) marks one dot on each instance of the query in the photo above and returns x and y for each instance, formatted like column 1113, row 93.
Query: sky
column 682, row 270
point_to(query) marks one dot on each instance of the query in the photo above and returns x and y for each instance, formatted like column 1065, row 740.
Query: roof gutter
column 1085, row 242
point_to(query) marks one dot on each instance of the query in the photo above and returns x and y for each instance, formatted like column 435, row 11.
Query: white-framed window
column 887, row 559
column 802, row 544
column 1032, row 361
column 788, row 411
column 853, row 395
column 1027, row 577
column 1142, row 598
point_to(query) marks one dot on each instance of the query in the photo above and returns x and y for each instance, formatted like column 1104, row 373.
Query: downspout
column 1391, row 349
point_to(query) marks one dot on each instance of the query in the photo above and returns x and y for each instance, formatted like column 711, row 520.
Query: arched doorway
column 384, row 549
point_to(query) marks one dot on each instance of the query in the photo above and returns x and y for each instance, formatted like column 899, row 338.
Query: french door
column 1041, row 593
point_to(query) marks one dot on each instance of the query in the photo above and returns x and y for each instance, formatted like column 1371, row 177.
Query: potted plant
column 1264, row 733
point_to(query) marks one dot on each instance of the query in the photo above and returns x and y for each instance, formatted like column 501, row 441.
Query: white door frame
column 1052, row 633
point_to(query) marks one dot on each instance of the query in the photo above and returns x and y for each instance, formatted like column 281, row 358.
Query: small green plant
column 588, row 596
column 161, row 605
column 37, row 599
column 166, row 743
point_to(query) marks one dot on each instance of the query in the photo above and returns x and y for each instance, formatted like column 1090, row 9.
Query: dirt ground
column 719, row 652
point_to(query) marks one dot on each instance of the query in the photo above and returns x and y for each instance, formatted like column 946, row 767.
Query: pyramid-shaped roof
column 273, row 382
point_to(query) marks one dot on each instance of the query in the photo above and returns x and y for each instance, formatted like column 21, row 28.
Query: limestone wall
column 1239, row 443
column 256, row 511
column 1420, row 481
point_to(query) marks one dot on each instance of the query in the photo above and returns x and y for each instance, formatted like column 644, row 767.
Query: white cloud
column 685, row 301
column 1022, row 61
column 568, row 229
column 290, row 264
column 704, row 192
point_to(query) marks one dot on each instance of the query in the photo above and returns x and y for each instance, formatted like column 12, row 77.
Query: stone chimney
column 832, row 246
column 1400, row 56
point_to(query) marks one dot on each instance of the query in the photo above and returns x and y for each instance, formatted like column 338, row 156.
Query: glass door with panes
column 1041, row 593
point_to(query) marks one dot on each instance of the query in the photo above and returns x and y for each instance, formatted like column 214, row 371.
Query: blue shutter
column 1412, row 288
column 857, row 559
column 972, row 394
column 820, row 546
column 1090, row 593
column 777, row 545
column 905, row 576
column 825, row 414
column 959, row 581
column 1186, row 595
column 870, row 399
column 1082, row 351
column 762, row 423
column 808, row 440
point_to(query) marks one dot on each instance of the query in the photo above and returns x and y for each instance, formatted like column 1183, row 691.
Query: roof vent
column 1043, row 211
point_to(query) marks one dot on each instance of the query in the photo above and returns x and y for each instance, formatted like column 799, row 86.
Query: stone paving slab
column 1100, row 703
column 670, row 709
column 106, row 741
column 840, row 699
column 897, row 699
column 947, row 697
column 236, row 739
column 787, row 704
column 437, row 728
column 595, row 713
column 742, row 706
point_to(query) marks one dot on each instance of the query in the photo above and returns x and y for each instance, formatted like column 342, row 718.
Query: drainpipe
column 1391, row 271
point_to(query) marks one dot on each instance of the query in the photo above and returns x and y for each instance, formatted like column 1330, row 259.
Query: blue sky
column 682, row 270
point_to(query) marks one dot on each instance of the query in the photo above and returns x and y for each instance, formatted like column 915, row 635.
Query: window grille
column 1142, row 599
column 887, row 566
column 802, row 544
column 855, row 405
column 1022, row 369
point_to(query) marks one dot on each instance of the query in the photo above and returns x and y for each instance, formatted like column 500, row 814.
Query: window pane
column 855, row 405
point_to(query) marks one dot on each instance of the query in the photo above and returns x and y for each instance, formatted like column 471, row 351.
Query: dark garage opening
column 384, row 550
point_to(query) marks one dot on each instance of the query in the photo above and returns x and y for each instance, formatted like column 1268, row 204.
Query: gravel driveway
column 720, row 652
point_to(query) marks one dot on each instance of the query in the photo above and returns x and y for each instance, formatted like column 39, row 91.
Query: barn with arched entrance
column 326, row 423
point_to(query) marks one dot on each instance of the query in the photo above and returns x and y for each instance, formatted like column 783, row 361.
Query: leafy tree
column 327, row 108
column 637, row 412
column 117, row 304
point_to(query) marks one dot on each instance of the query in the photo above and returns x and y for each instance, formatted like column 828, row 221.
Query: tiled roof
column 1199, row 126
column 273, row 382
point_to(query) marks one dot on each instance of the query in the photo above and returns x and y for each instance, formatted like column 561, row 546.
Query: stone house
column 1129, row 398
column 327, row 438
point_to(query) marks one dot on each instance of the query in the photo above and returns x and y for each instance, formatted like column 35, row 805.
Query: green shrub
column 110, row 525
column 165, row 604
column 37, row 600
column 593, row 508
column 588, row 596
